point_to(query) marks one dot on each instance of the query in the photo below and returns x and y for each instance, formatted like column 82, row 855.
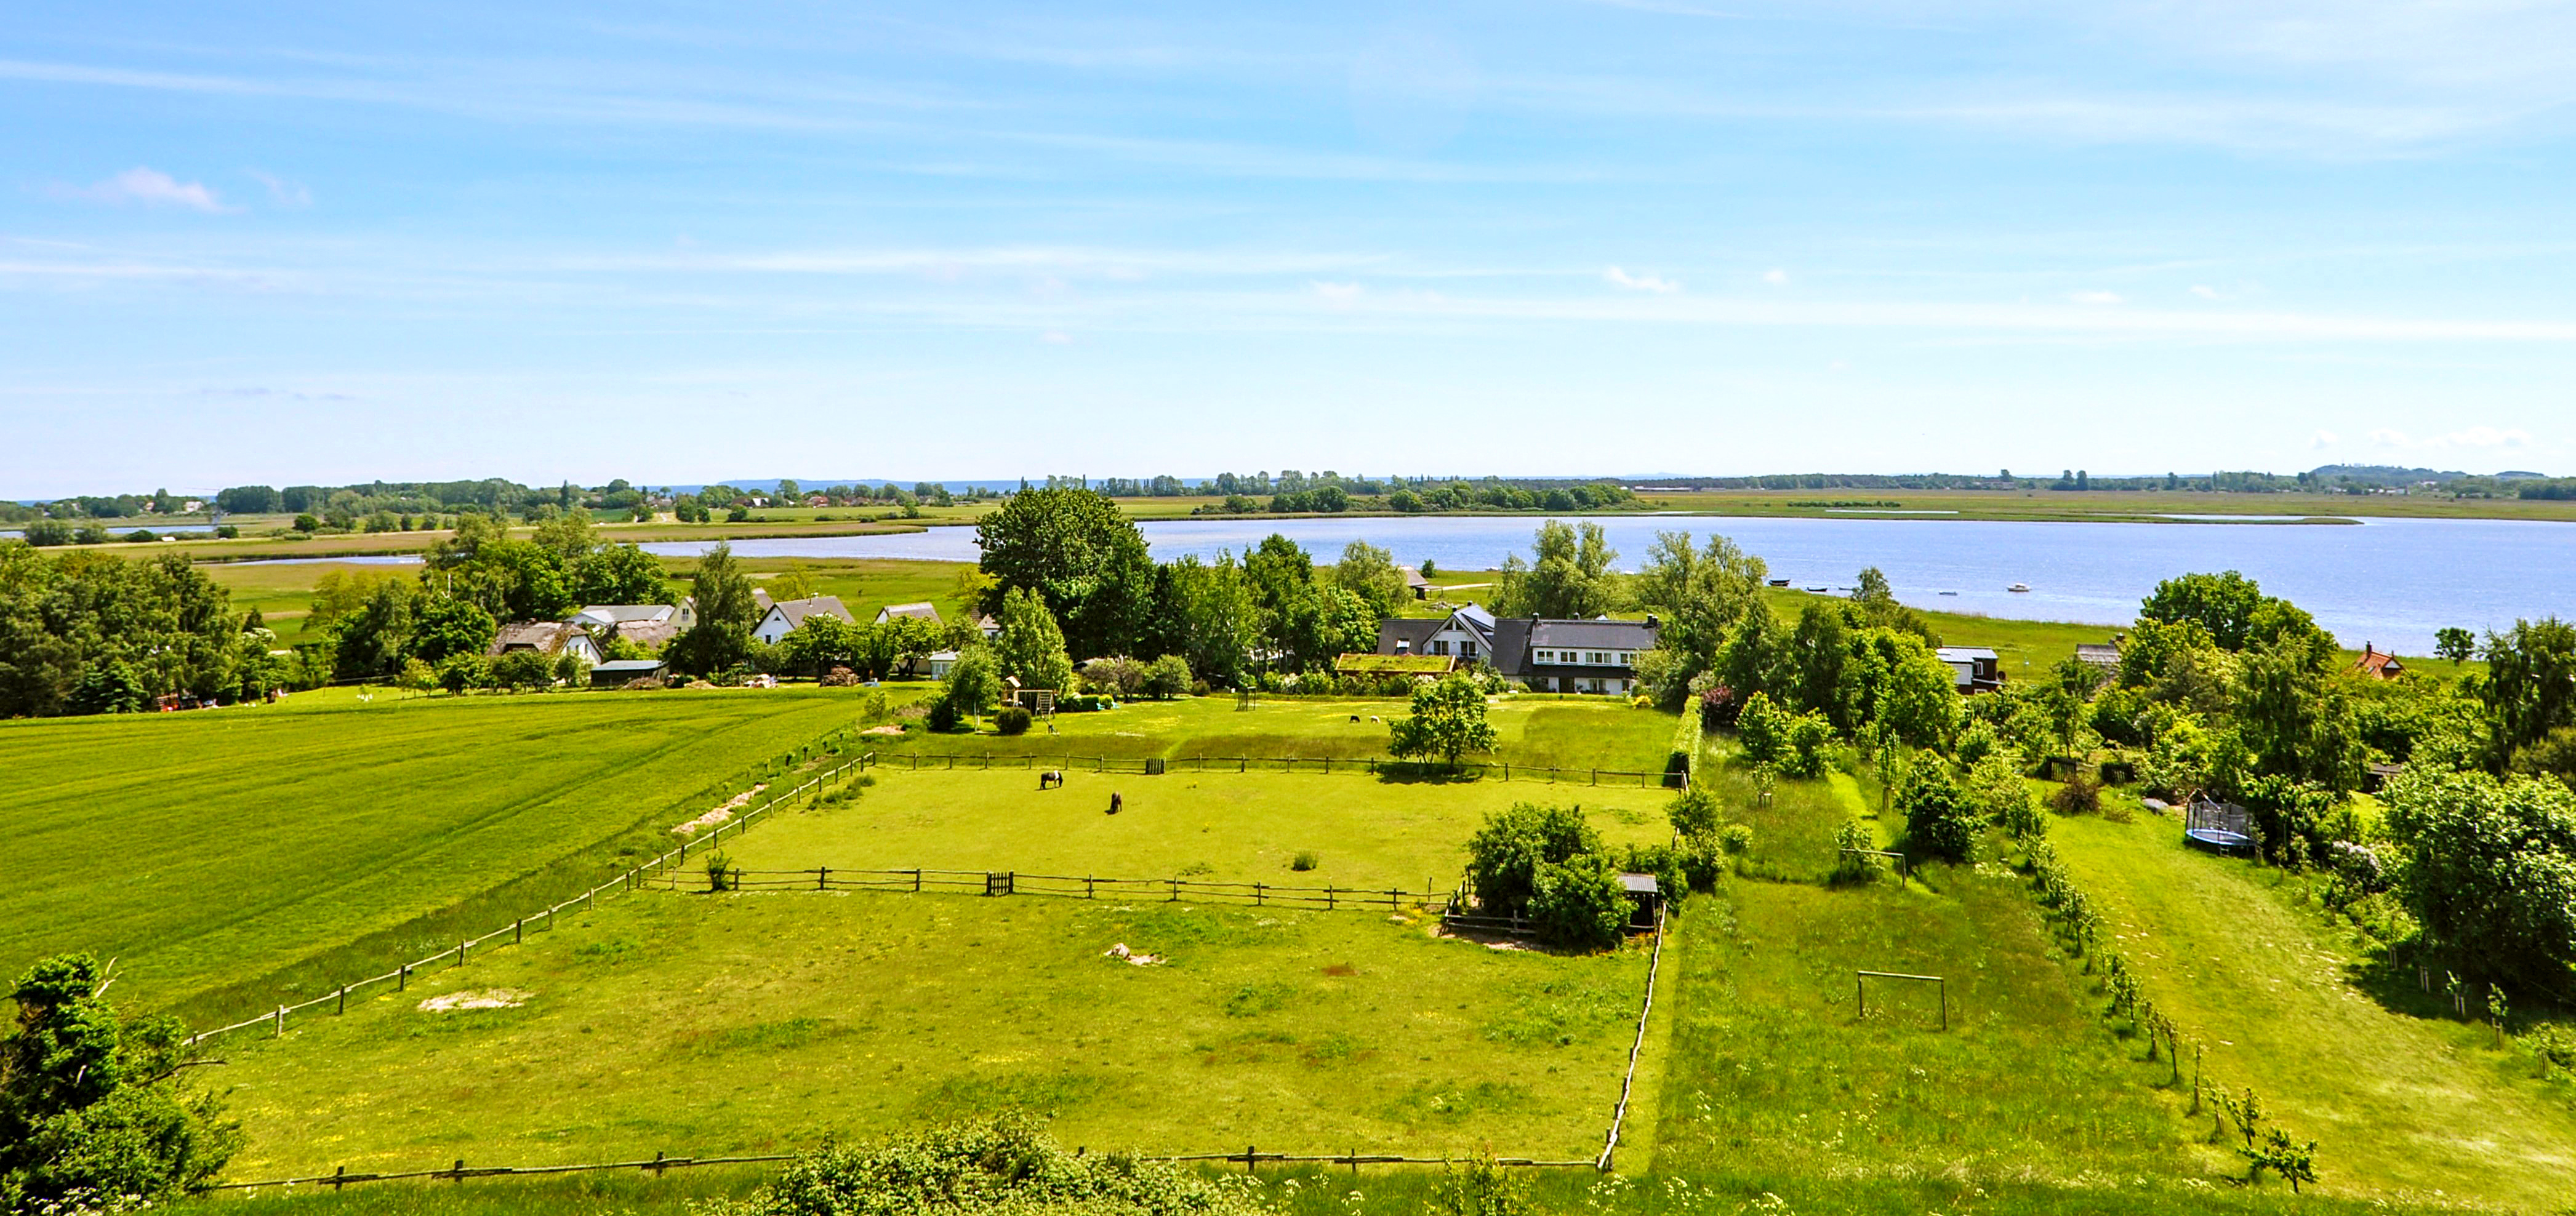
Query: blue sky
column 324, row 242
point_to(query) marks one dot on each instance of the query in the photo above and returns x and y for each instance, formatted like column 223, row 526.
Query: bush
column 2081, row 795
column 1082, row 705
column 1006, row 1167
column 1693, row 814
column 1306, row 859
column 1851, row 866
column 719, row 872
column 1012, row 720
column 1167, row 677
column 943, row 715
column 1938, row 820
column 1736, row 839
column 1579, row 902
column 1811, row 740
column 47, row 532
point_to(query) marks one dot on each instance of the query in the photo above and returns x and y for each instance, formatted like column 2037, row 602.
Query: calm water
column 2387, row 581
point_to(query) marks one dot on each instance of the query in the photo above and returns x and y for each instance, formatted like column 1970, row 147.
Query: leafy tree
column 1167, row 677
column 1693, row 814
column 1206, row 613
column 619, row 574
column 1370, row 573
column 974, row 682
column 2489, row 869
column 1939, row 820
column 1762, row 730
column 1699, row 595
column 2221, row 604
column 1505, row 855
column 448, row 627
column 726, row 613
column 523, row 670
column 48, row 532
column 93, row 1103
column 1569, row 581
column 1448, row 721
column 825, row 641
column 2454, row 644
column 2295, row 718
column 1031, row 648
column 108, row 688
column 2530, row 686
column 1077, row 552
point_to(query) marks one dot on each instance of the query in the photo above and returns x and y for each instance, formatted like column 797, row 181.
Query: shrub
column 719, row 872
column 1167, row 677
column 1998, row 793
column 1811, row 740
column 943, row 715
column 48, row 532
column 1012, row 720
column 1306, row 859
column 2081, row 795
column 1736, row 839
column 1762, row 730
column 1479, row 1187
column 1082, row 705
column 1005, row 1167
column 1693, row 814
column 1851, row 866
column 1579, row 902
column 1938, row 820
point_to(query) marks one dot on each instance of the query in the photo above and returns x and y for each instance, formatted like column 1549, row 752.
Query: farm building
column 787, row 616
column 937, row 663
column 919, row 612
column 546, row 637
column 1595, row 656
column 1418, row 586
column 618, row 673
column 2376, row 662
column 651, row 626
column 1974, row 669
column 2105, row 655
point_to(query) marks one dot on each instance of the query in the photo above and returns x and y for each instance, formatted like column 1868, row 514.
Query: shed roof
column 1962, row 654
column 924, row 611
column 795, row 611
column 622, row 666
column 1639, row 884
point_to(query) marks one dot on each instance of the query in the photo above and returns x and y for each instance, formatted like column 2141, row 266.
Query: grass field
column 262, row 849
column 1533, row 730
column 741, row 1023
column 2402, row 1102
column 1224, row 827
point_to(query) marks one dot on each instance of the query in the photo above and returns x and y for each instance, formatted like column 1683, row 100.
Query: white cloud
column 2207, row 292
column 1340, row 295
column 1056, row 337
column 2325, row 439
column 2094, row 297
column 1776, row 277
column 283, row 192
column 1641, row 282
column 150, row 187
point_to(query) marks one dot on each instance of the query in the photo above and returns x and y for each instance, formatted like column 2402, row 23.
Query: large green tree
column 726, row 613
column 1371, row 574
column 1448, row 721
column 1078, row 553
column 1570, row 580
column 2530, row 685
column 1031, row 647
column 2489, row 869
column 93, row 1103
column 1698, row 596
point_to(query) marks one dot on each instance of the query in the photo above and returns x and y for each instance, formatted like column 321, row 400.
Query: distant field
column 722, row 1024
column 211, row 850
column 1226, row 827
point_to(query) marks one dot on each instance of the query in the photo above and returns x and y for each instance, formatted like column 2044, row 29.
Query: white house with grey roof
column 1571, row 656
column 787, row 616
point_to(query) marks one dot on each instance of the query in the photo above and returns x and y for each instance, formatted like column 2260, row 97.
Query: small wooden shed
column 1645, row 898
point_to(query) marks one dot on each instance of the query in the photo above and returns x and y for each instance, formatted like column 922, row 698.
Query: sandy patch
column 1130, row 957
column 721, row 813
column 474, row 998
column 887, row 729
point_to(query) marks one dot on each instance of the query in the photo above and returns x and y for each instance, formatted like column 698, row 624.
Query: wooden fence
column 1020, row 882
column 1356, row 766
column 1628, row 1080
column 634, row 879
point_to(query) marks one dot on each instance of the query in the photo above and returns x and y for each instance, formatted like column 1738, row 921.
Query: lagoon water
column 2390, row 582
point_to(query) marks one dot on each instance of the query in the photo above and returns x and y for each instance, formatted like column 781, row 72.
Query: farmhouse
column 1595, row 656
column 1419, row 586
column 1974, row 669
column 920, row 612
column 620, row 672
column 546, row 637
column 2377, row 662
column 651, row 626
column 787, row 616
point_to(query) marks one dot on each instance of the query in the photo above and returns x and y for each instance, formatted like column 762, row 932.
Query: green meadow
column 232, row 858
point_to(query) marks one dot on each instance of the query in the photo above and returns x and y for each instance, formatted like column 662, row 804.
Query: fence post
column 402, row 977
column 519, row 931
column 278, row 1028
column 823, row 878
column 460, row 953
column 1176, row 889
column 916, row 882
column 1256, row 894
column 1328, row 897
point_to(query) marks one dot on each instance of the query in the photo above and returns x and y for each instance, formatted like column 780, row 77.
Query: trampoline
column 2217, row 826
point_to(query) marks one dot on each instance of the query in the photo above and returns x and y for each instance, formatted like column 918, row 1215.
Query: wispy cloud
column 1641, row 282
column 1339, row 295
column 282, row 192
column 2324, row 439
column 1776, row 277
column 2096, row 299
column 147, row 187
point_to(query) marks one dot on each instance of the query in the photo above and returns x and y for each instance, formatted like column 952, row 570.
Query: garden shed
column 1645, row 898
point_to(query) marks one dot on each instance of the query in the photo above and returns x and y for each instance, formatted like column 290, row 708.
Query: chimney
column 1651, row 622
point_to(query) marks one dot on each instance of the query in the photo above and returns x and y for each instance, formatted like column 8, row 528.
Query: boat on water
column 1820, row 590
column 1779, row 582
column 1949, row 593
column 2019, row 587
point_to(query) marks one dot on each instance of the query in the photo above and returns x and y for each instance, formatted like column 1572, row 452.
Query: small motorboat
column 1949, row 593
column 1779, row 582
column 1819, row 590
column 2023, row 588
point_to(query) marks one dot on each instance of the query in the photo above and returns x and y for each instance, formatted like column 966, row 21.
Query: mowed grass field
column 1222, row 827
column 2401, row 1102
column 714, row 1024
column 276, row 850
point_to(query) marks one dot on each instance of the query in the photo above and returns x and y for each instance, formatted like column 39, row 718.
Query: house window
column 1596, row 657
column 1467, row 649
column 1440, row 648
column 1547, row 656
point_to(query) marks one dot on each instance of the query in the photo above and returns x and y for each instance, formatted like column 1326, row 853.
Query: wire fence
column 1020, row 882
column 1628, row 1080
column 767, row 800
column 1350, row 765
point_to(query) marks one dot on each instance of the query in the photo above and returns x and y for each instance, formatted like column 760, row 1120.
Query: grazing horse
column 1051, row 779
